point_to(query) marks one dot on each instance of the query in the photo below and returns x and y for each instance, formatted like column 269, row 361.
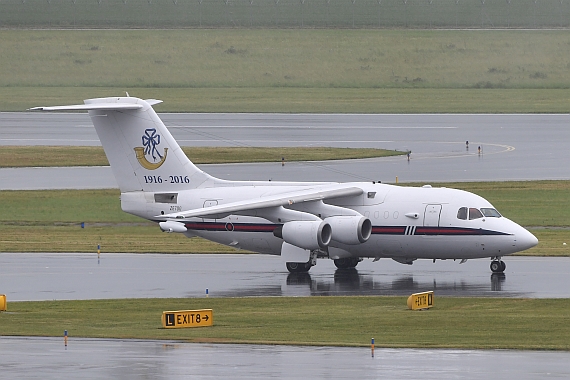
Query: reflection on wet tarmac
column 83, row 276
column 497, row 280
column 46, row 358
column 349, row 282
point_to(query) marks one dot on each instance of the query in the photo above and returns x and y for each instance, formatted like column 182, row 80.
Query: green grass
column 551, row 242
column 137, row 238
column 306, row 100
column 284, row 13
column 285, row 58
column 49, row 221
column 452, row 323
column 26, row 156
column 252, row 70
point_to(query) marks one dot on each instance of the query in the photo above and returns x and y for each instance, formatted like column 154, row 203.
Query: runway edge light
column 187, row 318
column 420, row 301
column 3, row 303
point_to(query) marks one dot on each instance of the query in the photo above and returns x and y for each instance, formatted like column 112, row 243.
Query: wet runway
column 514, row 147
column 47, row 358
column 48, row 276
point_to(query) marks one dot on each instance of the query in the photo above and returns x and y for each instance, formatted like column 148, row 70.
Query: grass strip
column 44, row 156
column 269, row 58
column 446, row 14
column 285, row 70
column 468, row 323
column 139, row 238
column 304, row 99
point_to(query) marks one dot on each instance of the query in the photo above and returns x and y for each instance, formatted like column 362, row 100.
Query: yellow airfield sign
column 187, row 318
column 419, row 301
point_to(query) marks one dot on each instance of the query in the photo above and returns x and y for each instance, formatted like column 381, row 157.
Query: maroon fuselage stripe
column 377, row 230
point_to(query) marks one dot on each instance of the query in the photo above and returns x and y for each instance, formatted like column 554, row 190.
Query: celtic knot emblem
column 150, row 140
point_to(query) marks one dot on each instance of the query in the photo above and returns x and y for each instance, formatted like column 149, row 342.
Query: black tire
column 503, row 266
column 298, row 267
column 346, row 263
column 342, row 263
column 496, row 267
column 354, row 262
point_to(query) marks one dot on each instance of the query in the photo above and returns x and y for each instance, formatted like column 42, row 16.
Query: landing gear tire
column 498, row 266
column 346, row 263
column 298, row 267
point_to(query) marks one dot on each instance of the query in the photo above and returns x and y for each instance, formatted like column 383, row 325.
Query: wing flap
column 266, row 202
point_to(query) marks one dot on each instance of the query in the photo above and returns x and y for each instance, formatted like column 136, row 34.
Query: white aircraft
column 300, row 221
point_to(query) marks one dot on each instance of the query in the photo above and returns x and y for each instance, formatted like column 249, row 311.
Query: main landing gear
column 347, row 262
column 497, row 265
column 298, row 267
column 303, row 267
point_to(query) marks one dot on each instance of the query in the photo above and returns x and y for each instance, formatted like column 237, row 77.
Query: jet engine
column 351, row 230
column 305, row 234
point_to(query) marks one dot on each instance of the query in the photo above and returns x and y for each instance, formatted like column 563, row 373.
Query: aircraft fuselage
column 408, row 223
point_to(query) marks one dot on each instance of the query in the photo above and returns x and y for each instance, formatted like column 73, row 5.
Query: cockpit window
column 474, row 213
column 490, row 213
column 462, row 213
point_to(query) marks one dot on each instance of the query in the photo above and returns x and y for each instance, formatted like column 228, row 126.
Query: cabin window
column 474, row 213
column 462, row 213
column 490, row 213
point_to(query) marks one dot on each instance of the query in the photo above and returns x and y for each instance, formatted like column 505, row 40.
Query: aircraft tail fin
column 142, row 152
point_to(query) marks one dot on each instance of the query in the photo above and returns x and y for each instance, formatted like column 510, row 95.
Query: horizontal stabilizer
column 89, row 107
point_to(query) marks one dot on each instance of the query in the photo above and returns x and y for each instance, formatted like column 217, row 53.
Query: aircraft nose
column 525, row 240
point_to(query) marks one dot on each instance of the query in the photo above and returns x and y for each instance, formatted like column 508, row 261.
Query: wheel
column 354, row 262
column 346, row 263
column 497, row 267
column 342, row 263
column 298, row 267
column 503, row 266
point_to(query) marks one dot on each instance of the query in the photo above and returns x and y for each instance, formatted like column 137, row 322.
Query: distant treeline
column 284, row 13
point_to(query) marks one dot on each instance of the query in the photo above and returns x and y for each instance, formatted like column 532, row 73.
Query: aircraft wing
column 283, row 199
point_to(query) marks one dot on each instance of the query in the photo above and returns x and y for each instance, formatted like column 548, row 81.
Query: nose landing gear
column 497, row 265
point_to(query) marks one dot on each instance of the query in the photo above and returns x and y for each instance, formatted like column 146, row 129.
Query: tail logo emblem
column 150, row 141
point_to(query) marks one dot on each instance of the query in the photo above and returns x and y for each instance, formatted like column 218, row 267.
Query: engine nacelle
column 350, row 229
column 305, row 234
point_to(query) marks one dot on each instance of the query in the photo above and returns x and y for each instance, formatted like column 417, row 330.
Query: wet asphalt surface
column 513, row 147
column 47, row 358
column 51, row 276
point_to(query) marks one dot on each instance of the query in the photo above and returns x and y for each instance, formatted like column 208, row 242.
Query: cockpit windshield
column 472, row 213
column 490, row 213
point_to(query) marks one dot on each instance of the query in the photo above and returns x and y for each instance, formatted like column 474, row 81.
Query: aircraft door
column 431, row 215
